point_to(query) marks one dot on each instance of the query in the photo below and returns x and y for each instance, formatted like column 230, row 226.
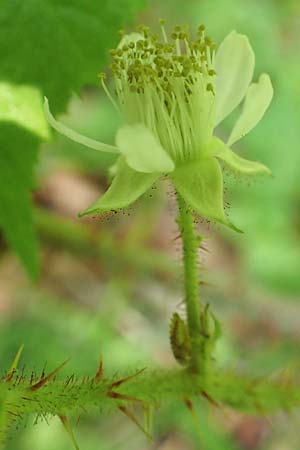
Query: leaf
column 22, row 105
column 52, row 48
column 22, row 127
column 18, row 154
column 59, row 46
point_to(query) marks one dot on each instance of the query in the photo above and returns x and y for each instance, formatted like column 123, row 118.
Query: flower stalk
column 190, row 245
column 202, row 328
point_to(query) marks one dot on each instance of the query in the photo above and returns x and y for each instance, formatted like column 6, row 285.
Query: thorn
column 69, row 380
column 68, row 429
column 44, row 370
column 205, row 283
column 210, row 399
column 45, row 418
column 14, row 365
column 36, row 420
column 263, row 413
column 148, row 418
column 134, row 420
column 195, row 418
column 99, row 374
column 14, row 414
column 205, row 249
column 118, row 396
column 44, row 380
column 189, row 405
column 176, row 238
column 124, row 380
column 27, row 399
column 216, row 405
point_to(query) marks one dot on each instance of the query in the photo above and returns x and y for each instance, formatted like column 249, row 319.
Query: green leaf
column 18, row 154
column 53, row 48
column 59, row 46
column 22, row 105
column 22, row 128
column 127, row 186
column 200, row 183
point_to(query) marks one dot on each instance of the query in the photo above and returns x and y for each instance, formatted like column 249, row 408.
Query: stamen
column 163, row 31
column 102, row 77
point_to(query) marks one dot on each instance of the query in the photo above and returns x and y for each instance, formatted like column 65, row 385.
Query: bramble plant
column 171, row 94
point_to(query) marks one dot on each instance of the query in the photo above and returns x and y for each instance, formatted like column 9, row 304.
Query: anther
column 210, row 88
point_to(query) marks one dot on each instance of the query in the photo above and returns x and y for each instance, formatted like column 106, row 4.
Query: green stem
column 70, row 394
column 190, row 242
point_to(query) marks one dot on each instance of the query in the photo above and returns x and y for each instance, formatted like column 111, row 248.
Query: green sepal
column 200, row 183
column 211, row 328
column 235, row 162
column 180, row 340
column 211, row 333
column 127, row 186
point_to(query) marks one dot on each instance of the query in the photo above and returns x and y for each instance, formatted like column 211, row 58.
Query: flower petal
column 257, row 101
column 142, row 150
column 200, row 183
column 127, row 186
column 234, row 67
column 235, row 162
column 73, row 135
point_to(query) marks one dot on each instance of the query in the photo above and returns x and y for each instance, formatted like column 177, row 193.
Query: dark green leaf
column 59, row 45
column 18, row 153
column 56, row 46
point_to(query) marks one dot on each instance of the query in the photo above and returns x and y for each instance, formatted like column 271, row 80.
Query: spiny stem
column 190, row 242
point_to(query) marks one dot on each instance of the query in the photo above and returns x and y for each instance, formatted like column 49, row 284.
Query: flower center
column 169, row 86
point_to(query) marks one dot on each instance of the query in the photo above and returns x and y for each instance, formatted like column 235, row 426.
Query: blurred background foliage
column 108, row 285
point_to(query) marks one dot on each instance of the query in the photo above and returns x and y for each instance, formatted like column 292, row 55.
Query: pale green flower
column 171, row 96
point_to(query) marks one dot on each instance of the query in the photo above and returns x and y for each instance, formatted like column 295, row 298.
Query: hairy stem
column 190, row 243
column 69, row 396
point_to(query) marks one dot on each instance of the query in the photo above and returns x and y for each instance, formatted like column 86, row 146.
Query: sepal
column 126, row 187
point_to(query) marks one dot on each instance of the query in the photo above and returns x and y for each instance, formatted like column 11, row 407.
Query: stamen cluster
column 147, row 59
column 168, row 85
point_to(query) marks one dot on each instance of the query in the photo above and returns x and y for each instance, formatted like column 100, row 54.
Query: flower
column 172, row 95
